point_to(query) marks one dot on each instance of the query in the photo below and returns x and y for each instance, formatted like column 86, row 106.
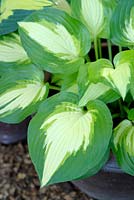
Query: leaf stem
column 126, row 109
column 121, row 108
column 100, row 48
column 109, row 50
column 51, row 87
column 87, row 58
column 96, row 48
column 116, row 115
column 120, row 48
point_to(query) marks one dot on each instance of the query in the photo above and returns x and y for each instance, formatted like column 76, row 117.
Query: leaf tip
column 21, row 24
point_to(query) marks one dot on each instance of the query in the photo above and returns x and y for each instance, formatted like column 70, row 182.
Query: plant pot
column 111, row 183
column 11, row 133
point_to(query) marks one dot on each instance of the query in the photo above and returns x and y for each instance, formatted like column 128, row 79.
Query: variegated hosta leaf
column 109, row 7
column 95, row 15
column 92, row 86
column 124, row 57
column 122, row 24
column 13, row 11
column 96, row 68
column 123, row 146
column 71, row 141
column 22, row 89
column 118, row 79
column 11, row 50
column 54, row 40
column 89, row 78
column 91, row 13
column 128, row 58
column 98, row 91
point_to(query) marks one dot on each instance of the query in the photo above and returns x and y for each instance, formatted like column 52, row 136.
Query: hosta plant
column 88, row 49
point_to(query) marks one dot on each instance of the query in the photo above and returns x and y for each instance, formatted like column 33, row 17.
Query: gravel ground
column 19, row 181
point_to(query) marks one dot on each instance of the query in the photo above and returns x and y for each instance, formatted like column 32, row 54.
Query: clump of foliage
column 72, row 132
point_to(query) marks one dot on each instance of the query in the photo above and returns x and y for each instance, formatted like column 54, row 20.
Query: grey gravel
column 19, row 181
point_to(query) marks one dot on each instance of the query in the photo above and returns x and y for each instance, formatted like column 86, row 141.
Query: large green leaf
column 67, row 138
column 11, row 51
column 122, row 24
column 16, row 10
column 22, row 89
column 123, row 146
column 95, row 15
column 54, row 40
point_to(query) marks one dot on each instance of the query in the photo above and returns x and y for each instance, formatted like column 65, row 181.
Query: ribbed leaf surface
column 122, row 24
column 22, row 89
column 54, row 40
column 13, row 11
column 123, row 146
column 71, row 142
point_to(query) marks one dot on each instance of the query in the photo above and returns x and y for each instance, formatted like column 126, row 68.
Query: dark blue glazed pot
column 111, row 183
column 12, row 133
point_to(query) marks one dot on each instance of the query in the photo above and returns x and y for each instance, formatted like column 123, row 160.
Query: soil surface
column 19, row 181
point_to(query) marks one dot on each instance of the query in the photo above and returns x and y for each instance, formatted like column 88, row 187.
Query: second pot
column 111, row 183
